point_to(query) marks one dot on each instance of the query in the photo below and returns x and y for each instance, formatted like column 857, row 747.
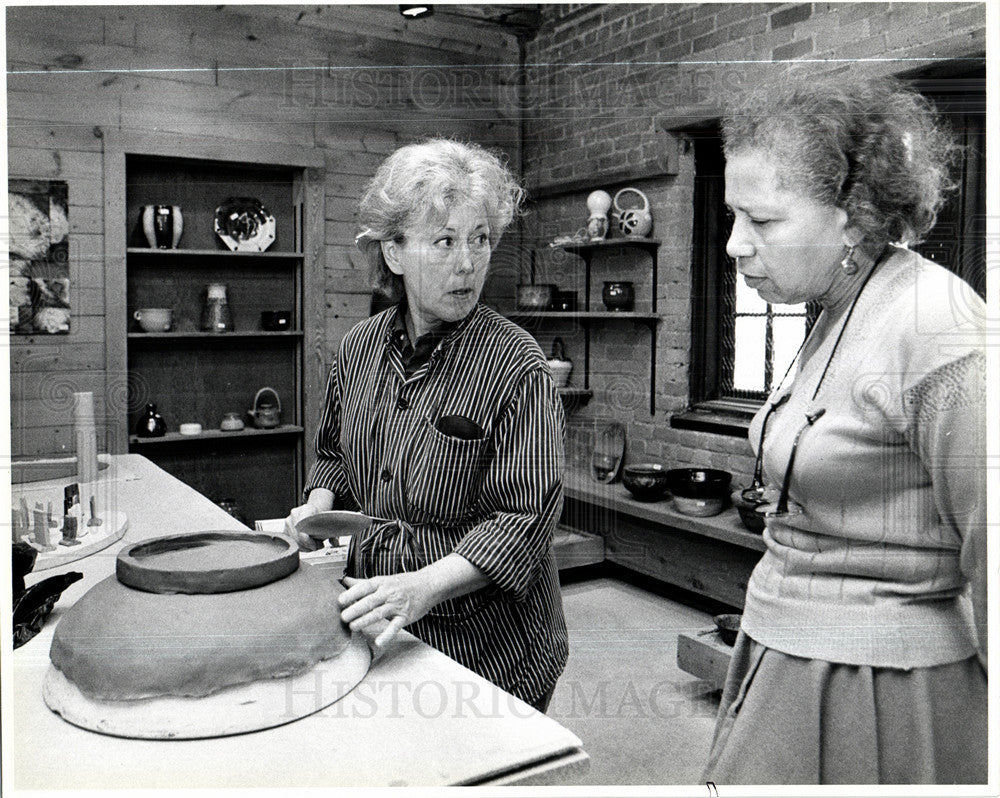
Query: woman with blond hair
column 441, row 423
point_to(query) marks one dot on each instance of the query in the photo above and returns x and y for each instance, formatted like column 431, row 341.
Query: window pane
column 788, row 334
column 748, row 300
column 748, row 369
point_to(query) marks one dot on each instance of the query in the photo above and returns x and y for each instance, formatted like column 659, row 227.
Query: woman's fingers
column 387, row 634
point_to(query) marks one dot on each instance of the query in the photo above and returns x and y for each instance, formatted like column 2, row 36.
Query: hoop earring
column 848, row 264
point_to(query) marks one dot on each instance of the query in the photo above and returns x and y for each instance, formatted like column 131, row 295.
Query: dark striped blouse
column 490, row 490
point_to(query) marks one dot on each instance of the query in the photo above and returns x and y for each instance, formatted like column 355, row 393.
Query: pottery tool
column 94, row 520
column 85, row 432
column 25, row 525
column 41, row 531
column 71, row 501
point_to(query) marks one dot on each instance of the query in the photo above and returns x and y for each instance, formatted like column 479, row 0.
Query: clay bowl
column 699, row 491
column 746, row 502
column 728, row 626
column 647, row 482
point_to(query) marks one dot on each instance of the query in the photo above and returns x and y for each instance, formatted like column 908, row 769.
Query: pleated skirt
column 789, row 720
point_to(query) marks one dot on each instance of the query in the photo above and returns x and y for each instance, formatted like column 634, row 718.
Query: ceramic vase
column 162, row 225
column 151, row 425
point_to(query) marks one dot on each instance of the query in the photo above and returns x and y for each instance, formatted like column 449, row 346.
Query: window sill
column 718, row 417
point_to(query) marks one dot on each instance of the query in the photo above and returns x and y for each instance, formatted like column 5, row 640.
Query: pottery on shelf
column 535, row 297
column 633, row 222
column 151, row 425
column 619, row 296
column 560, row 365
column 154, row 319
column 231, row 422
column 564, row 301
column 647, row 482
column 162, row 225
column 266, row 414
column 244, row 224
column 598, row 205
column 216, row 315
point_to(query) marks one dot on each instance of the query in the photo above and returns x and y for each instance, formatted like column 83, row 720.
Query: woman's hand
column 399, row 599
column 319, row 501
column 402, row 599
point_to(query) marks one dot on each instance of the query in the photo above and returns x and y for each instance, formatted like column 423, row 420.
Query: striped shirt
column 465, row 456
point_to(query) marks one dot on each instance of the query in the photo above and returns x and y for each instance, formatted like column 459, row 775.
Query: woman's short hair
column 423, row 182
column 874, row 148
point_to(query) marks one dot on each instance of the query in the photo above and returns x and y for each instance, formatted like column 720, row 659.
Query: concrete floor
column 642, row 720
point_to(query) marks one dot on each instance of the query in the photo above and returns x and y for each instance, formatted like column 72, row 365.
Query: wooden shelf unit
column 587, row 317
column 198, row 376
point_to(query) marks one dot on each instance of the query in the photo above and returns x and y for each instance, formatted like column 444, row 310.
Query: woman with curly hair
column 441, row 422
column 862, row 652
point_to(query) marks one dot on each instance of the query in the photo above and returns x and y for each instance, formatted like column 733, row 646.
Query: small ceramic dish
column 333, row 524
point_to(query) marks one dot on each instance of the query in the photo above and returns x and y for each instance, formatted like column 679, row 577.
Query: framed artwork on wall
column 39, row 256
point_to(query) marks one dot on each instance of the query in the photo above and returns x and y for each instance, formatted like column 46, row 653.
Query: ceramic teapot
column 633, row 222
column 265, row 415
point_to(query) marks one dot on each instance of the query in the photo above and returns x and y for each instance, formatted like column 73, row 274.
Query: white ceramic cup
column 154, row 319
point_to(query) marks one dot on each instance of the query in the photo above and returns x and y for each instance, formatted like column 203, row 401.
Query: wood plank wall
column 353, row 81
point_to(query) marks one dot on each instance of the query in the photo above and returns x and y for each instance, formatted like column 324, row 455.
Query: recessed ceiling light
column 416, row 11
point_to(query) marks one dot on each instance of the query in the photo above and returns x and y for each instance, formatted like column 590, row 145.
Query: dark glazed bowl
column 746, row 502
column 699, row 491
column 647, row 482
column 728, row 627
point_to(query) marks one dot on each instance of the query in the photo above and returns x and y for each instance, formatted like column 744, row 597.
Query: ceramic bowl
column 647, row 482
column 728, row 626
column 699, row 491
column 154, row 319
column 746, row 502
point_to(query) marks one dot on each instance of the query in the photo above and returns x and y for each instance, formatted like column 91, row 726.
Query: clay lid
column 214, row 561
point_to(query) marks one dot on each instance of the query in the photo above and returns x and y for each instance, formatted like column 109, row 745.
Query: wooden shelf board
column 726, row 526
column 610, row 243
column 208, row 434
column 703, row 654
column 574, row 548
column 222, row 253
column 584, row 315
column 236, row 335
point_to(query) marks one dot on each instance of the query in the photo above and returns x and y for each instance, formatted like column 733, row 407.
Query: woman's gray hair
column 425, row 181
column 874, row 148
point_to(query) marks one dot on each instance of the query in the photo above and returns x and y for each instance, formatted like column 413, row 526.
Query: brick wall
column 604, row 85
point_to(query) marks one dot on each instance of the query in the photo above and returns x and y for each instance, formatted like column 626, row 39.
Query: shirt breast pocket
column 445, row 475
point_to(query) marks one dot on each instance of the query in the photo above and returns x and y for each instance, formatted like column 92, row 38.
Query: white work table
column 418, row 717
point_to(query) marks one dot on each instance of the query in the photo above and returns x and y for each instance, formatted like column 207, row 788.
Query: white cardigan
column 877, row 568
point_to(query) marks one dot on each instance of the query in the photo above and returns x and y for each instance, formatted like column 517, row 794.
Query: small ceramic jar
column 618, row 296
column 231, row 422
